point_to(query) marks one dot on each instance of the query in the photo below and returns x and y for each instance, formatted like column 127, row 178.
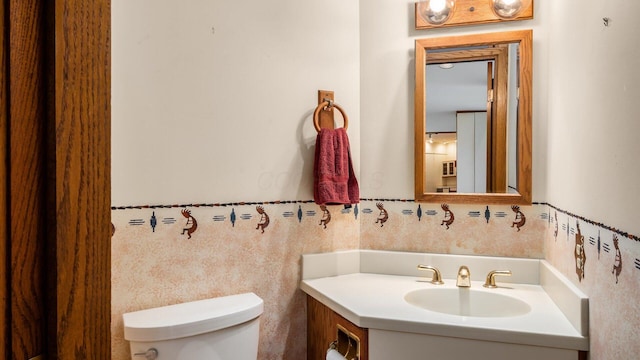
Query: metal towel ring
column 321, row 106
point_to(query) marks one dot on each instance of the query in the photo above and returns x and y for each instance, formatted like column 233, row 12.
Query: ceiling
column 461, row 88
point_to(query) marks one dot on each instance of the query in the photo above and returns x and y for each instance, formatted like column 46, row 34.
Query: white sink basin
column 467, row 302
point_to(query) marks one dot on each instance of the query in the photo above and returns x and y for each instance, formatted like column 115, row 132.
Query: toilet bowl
column 217, row 329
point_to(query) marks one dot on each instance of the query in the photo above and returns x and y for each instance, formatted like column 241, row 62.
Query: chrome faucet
column 437, row 277
column 491, row 278
column 464, row 277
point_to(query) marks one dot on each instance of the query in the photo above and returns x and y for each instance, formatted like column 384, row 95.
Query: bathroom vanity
column 322, row 331
column 535, row 313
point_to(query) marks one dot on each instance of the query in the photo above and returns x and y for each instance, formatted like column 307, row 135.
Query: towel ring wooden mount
column 328, row 105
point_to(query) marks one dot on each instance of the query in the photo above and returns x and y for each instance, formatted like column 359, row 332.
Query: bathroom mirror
column 502, row 165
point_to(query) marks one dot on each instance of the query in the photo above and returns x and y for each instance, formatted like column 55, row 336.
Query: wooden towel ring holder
column 327, row 104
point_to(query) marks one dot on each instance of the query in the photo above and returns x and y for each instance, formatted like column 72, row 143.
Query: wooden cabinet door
column 322, row 330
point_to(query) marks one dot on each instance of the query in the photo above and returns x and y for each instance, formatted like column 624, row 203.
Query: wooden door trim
column 499, row 127
column 55, row 143
column 26, row 121
column 80, row 319
column 490, row 108
column 4, row 239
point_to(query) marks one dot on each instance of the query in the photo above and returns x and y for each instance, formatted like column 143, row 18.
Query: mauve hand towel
column 334, row 181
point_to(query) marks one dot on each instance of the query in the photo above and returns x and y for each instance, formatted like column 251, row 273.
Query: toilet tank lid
column 191, row 318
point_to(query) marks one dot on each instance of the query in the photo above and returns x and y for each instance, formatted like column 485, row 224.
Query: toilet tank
column 218, row 329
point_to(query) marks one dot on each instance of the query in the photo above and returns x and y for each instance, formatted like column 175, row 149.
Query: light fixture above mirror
column 436, row 12
column 508, row 9
column 443, row 13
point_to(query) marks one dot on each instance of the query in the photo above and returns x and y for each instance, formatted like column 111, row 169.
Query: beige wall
column 593, row 87
column 212, row 106
column 160, row 266
column 154, row 266
column 212, row 100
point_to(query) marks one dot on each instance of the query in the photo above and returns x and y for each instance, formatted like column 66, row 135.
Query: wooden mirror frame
column 525, row 40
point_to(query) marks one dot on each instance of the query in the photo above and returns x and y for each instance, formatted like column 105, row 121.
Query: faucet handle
column 437, row 277
column 491, row 278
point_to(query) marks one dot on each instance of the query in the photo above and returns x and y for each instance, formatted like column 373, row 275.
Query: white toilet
column 221, row 328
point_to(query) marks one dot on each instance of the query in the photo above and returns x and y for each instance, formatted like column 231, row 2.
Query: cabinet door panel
column 322, row 330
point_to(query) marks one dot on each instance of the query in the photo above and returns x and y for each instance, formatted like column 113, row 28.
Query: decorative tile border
column 588, row 221
column 448, row 219
column 262, row 215
column 212, row 204
column 447, row 213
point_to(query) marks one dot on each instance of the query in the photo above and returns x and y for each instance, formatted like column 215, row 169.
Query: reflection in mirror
column 473, row 118
column 460, row 101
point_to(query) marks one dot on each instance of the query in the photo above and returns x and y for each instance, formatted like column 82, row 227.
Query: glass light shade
column 508, row 9
column 436, row 12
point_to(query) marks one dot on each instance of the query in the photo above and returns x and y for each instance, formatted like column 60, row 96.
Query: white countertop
column 376, row 301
